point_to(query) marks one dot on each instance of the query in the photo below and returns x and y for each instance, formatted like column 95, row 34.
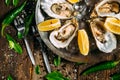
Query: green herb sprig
column 37, row 69
column 13, row 44
column 7, row 2
column 101, row 66
column 115, row 76
column 11, row 16
column 57, row 61
column 56, row 75
column 13, row 2
column 28, row 21
column 9, row 77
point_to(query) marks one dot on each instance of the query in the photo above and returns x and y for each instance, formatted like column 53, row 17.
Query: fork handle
column 46, row 62
column 29, row 51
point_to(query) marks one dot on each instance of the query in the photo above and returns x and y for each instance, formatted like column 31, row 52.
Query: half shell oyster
column 62, row 37
column 57, row 8
column 105, row 40
column 108, row 8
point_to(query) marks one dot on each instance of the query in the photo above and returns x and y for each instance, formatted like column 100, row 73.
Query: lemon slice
column 49, row 25
column 73, row 1
column 83, row 42
column 113, row 25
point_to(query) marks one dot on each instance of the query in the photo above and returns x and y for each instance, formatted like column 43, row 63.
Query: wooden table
column 20, row 66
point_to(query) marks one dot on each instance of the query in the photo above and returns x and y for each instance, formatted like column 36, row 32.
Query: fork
column 19, row 24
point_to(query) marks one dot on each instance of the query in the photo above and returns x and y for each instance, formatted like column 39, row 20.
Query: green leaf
column 7, row 2
column 19, row 35
column 3, row 28
column 37, row 69
column 11, row 16
column 9, row 38
column 9, row 77
column 57, row 61
column 28, row 21
column 115, row 76
column 15, row 2
column 55, row 75
column 13, row 44
column 18, row 48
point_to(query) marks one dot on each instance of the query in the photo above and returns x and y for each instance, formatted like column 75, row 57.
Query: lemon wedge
column 83, row 42
column 73, row 1
column 113, row 25
column 49, row 25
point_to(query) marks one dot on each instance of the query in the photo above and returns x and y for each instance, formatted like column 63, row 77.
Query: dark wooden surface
column 20, row 67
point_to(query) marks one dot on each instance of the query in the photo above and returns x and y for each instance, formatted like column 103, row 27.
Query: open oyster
column 105, row 40
column 62, row 37
column 57, row 8
column 108, row 8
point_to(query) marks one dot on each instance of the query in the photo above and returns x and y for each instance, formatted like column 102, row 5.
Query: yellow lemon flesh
column 49, row 25
column 83, row 42
column 73, row 1
column 113, row 25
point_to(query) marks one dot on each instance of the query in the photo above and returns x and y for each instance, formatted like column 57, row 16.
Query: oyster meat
column 108, row 8
column 62, row 37
column 57, row 8
column 105, row 40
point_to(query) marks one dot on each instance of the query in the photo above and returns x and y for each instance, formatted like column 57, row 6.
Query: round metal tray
column 74, row 56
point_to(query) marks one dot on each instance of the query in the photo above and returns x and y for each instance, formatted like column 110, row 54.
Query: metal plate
column 94, row 55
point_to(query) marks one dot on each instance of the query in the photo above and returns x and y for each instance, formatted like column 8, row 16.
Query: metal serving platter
column 73, row 54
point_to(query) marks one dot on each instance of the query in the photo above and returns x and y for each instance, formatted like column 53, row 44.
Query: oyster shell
column 108, row 8
column 105, row 40
column 57, row 8
column 62, row 37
